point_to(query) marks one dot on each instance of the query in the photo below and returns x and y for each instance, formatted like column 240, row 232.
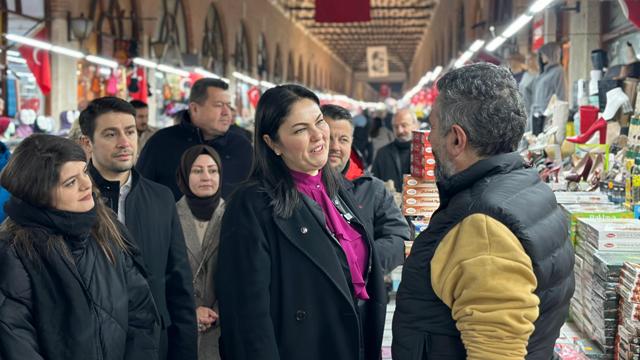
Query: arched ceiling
column 397, row 24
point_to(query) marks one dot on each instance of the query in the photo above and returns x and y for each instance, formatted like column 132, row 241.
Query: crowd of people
column 210, row 245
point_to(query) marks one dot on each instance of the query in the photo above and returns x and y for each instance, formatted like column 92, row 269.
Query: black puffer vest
column 504, row 189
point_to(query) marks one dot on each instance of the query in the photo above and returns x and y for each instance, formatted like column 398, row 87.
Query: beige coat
column 204, row 262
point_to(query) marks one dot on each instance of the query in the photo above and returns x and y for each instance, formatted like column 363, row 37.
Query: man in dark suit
column 148, row 210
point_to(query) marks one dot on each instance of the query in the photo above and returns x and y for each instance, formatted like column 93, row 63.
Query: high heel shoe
column 599, row 127
column 582, row 169
column 549, row 173
column 597, row 172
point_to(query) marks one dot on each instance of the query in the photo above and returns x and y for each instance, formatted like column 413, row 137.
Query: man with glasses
column 206, row 121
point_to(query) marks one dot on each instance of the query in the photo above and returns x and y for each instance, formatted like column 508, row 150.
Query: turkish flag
column 631, row 9
column 38, row 62
column 339, row 11
column 254, row 96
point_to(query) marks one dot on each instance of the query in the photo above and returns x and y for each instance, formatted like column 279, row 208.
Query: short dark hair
column 199, row 93
column 269, row 169
column 101, row 106
column 138, row 104
column 484, row 100
column 335, row 112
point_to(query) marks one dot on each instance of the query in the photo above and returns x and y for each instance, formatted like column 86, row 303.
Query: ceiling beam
column 395, row 17
column 373, row 8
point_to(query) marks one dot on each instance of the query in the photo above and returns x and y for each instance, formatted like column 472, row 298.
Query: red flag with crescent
column 38, row 62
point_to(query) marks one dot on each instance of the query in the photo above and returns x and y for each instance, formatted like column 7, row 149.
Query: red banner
column 538, row 34
column 631, row 9
column 38, row 62
column 339, row 11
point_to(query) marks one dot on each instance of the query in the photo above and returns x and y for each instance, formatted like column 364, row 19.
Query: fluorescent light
column 518, row 24
column 104, row 71
column 463, row 59
column 496, row 43
column 172, row 70
column 16, row 60
column 267, row 84
column 225, row 80
column 477, row 45
column 539, row 6
column 69, row 52
column 13, row 53
column 159, row 75
column 436, row 72
column 102, row 61
column 206, row 73
column 245, row 78
column 29, row 41
column 144, row 62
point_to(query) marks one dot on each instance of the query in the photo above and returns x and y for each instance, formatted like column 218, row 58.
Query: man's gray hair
column 484, row 100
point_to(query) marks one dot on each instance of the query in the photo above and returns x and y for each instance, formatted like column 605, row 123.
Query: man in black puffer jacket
column 492, row 276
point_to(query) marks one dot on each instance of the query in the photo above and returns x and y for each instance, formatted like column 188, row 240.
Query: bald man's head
column 404, row 122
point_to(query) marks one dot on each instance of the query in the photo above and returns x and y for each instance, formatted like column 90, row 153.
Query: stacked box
column 419, row 197
column 612, row 234
column 423, row 163
column 581, row 197
column 595, row 307
column 628, row 337
column 595, row 211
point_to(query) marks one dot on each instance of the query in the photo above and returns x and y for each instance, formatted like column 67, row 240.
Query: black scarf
column 62, row 312
column 202, row 208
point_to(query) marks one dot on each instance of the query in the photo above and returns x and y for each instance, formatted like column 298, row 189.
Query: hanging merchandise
column 12, row 96
column 38, row 62
column 133, row 81
column 112, row 84
column 137, row 84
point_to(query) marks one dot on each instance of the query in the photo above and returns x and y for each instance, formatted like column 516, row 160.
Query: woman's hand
column 206, row 318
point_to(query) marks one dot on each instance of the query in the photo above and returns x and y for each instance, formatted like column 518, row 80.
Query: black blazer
column 283, row 290
column 152, row 219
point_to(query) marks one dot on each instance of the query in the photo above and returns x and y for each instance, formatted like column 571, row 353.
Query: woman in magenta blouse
column 298, row 277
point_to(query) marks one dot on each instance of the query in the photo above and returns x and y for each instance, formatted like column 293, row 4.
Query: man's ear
column 457, row 140
column 86, row 144
column 271, row 144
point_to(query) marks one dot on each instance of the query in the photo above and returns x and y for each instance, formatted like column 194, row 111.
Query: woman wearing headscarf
column 71, row 283
column 200, row 211
column 298, row 276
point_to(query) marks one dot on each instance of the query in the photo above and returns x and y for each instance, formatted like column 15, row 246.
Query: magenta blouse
column 351, row 241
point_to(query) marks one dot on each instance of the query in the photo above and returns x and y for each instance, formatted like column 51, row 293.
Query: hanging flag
column 254, row 96
column 538, row 34
column 38, row 62
column 631, row 9
column 339, row 11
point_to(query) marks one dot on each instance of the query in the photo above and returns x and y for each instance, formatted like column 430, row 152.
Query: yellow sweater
column 481, row 271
